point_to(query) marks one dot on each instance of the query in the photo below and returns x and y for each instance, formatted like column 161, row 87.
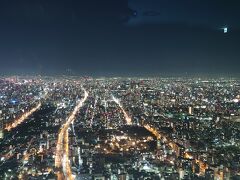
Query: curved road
column 62, row 161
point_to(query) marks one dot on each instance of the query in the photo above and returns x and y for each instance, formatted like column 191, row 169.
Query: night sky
column 120, row 37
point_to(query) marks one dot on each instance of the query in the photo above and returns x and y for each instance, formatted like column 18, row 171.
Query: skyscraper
column 1, row 125
column 190, row 110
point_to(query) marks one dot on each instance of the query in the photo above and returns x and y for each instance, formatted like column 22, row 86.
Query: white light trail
column 126, row 116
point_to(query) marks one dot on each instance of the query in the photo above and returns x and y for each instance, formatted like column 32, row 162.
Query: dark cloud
column 211, row 14
column 63, row 11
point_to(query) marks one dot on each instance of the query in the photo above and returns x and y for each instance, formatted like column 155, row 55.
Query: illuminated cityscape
column 119, row 90
column 119, row 128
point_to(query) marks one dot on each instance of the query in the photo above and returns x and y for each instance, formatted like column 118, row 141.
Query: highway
column 62, row 161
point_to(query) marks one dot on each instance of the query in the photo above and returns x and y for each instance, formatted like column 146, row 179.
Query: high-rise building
column 1, row 125
column 209, row 174
column 190, row 110
column 1, row 134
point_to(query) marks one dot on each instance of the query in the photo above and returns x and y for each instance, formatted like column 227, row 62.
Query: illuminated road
column 62, row 161
column 158, row 135
column 126, row 116
column 94, row 109
column 203, row 166
column 25, row 116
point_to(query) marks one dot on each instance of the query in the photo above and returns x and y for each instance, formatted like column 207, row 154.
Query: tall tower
column 80, row 161
column 190, row 110
column 1, row 125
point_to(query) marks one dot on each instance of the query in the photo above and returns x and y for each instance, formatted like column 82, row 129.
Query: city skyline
column 119, row 89
column 119, row 128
